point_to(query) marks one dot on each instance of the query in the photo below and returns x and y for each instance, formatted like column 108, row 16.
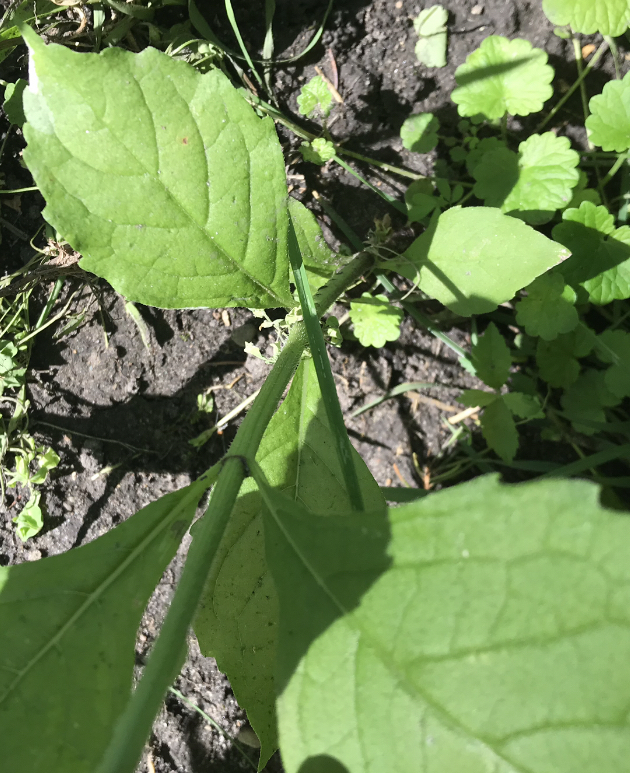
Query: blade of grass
column 324, row 373
column 398, row 390
column 232, row 19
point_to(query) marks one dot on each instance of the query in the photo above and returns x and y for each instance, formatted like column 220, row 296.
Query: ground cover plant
column 480, row 627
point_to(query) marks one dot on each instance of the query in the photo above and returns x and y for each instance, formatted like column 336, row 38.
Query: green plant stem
column 389, row 199
column 324, row 373
column 135, row 723
column 19, row 190
column 615, row 55
column 346, row 277
column 569, row 93
column 614, row 169
column 165, row 660
column 232, row 19
column 423, row 321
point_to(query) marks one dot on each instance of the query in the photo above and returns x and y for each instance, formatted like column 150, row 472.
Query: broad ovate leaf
column 375, row 319
column 548, row 310
column 503, row 76
column 164, row 179
column 609, row 122
column 474, row 258
column 238, row 619
column 482, row 629
column 68, row 627
column 419, row 132
column 600, row 260
column 532, row 184
column 609, row 17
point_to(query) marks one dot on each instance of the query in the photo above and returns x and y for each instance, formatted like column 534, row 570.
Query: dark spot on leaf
column 184, row 140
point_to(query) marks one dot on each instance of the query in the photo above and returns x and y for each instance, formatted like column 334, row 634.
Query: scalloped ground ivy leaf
column 164, row 179
column 608, row 124
column 600, row 260
column 614, row 347
column 549, row 307
column 609, row 17
column 376, row 320
column 503, row 76
column 532, row 184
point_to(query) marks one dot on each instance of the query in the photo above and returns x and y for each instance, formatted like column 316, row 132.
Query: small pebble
column 477, row 10
column 33, row 555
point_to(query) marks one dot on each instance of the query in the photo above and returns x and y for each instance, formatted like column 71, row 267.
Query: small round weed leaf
column 503, row 76
column 585, row 400
column 614, row 346
column 600, row 260
column 610, row 17
column 419, row 132
column 548, row 310
column 375, row 320
column 533, row 184
column 315, row 94
column 421, row 201
column 319, row 151
column 609, row 122
column 524, row 406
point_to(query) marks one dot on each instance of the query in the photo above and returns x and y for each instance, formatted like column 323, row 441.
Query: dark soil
column 119, row 414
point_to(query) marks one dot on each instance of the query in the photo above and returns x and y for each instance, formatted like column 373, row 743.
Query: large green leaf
column 164, row 179
column 68, row 626
column 472, row 259
column 485, row 629
column 610, row 17
column 238, row 619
